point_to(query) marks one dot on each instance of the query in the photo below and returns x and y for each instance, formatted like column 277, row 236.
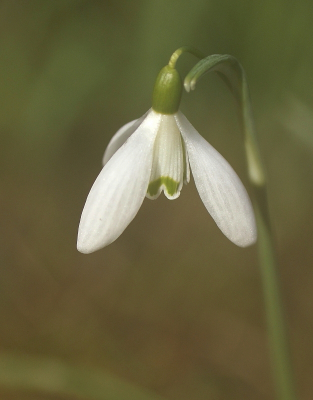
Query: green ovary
column 169, row 183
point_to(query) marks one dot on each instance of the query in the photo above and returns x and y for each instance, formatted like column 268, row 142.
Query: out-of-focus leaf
column 297, row 118
column 72, row 72
column 55, row 377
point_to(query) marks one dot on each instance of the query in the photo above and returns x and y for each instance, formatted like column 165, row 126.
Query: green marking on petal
column 184, row 160
column 169, row 183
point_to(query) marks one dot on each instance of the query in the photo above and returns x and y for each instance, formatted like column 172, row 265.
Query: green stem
column 278, row 340
column 232, row 73
column 180, row 51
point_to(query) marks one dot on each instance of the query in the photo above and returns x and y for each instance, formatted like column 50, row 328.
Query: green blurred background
column 172, row 309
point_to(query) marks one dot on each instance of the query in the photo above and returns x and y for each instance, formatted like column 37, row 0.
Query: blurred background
column 172, row 309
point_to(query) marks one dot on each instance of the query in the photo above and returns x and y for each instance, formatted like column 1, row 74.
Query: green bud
column 167, row 91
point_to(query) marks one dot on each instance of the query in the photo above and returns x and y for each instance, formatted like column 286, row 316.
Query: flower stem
column 230, row 70
column 278, row 340
column 180, row 51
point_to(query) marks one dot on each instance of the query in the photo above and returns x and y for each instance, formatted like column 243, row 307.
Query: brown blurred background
column 172, row 309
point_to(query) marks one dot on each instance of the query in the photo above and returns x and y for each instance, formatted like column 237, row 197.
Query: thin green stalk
column 180, row 51
column 278, row 339
column 232, row 73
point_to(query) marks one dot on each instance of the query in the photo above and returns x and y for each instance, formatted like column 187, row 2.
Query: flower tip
column 247, row 242
column 247, row 239
column 82, row 248
column 86, row 245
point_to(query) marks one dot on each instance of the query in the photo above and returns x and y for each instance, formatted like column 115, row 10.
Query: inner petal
column 167, row 172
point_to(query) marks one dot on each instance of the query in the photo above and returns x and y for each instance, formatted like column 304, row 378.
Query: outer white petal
column 219, row 187
column 120, row 138
column 119, row 190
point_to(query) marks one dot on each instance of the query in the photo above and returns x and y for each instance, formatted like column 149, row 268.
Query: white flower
column 152, row 154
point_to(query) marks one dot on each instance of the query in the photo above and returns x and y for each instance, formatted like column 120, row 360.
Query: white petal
column 168, row 161
column 219, row 187
column 119, row 190
column 120, row 138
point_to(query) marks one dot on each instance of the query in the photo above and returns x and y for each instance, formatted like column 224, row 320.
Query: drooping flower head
column 155, row 154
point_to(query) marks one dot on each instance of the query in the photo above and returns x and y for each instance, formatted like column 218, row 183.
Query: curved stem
column 180, row 51
column 232, row 73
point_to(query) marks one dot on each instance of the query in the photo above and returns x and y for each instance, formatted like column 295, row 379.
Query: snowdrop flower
column 153, row 154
